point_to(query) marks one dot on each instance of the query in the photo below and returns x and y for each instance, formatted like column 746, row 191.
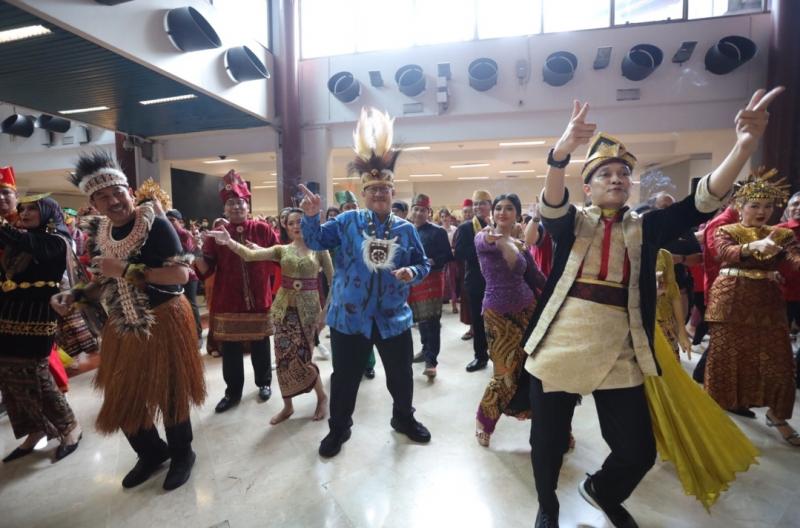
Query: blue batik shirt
column 360, row 296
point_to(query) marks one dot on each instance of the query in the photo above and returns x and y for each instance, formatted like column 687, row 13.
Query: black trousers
column 479, row 344
column 430, row 334
column 233, row 365
column 190, row 290
column 698, row 301
column 149, row 445
column 626, row 428
column 350, row 353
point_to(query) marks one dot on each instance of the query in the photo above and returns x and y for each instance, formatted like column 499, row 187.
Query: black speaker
column 344, row 86
column 410, row 79
column 559, row 68
column 53, row 124
column 482, row 74
column 18, row 125
column 641, row 61
column 244, row 65
column 729, row 53
column 188, row 30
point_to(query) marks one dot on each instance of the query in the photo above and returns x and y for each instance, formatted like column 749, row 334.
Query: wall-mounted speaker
column 242, row 65
column 18, row 125
column 482, row 74
column 410, row 79
column 188, row 30
column 559, row 68
column 344, row 86
column 641, row 61
column 729, row 53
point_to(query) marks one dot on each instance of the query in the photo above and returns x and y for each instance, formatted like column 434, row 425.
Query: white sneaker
column 323, row 352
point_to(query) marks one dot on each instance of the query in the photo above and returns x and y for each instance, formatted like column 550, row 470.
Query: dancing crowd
column 563, row 301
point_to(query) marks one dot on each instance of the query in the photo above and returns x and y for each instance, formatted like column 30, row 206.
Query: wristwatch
column 557, row 164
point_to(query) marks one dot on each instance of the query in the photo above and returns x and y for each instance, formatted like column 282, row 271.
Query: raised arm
column 317, row 237
column 577, row 133
column 750, row 125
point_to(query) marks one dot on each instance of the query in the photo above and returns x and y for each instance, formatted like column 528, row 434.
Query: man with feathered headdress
column 151, row 367
column 242, row 295
column 602, row 287
column 380, row 256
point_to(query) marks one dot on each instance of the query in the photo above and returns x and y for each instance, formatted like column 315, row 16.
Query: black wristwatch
column 557, row 164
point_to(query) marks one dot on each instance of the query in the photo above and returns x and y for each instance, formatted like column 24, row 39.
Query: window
column 562, row 15
column 635, row 11
column 327, row 28
column 384, row 24
column 714, row 8
column 508, row 18
column 437, row 21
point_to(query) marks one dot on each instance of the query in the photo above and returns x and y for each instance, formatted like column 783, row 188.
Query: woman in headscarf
column 34, row 258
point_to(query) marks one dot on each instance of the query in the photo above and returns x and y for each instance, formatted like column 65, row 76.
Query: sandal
column 483, row 437
column 792, row 438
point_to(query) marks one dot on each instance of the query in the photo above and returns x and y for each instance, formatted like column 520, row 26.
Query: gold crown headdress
column 375, row 157
column 762, row 185
column 150, row 190
column 605, row 149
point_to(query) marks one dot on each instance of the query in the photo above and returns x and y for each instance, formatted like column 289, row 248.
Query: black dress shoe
column 369, row 373
column 264, row 393
column 143, row 470
column 476, row 364
column 332, row 444
column 616, row 514
column 64, row 450
column 226, row 403
column 180, row 469
column 418, row 358
column 412, row 429
column 546, row 520
column 744, row 411
column 17, row 453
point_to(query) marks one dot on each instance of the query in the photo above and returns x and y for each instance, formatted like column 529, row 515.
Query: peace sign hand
column 578, row 131
column 311, row 204
column 752, row 120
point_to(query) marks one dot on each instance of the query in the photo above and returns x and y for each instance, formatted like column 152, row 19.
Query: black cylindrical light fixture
column 53, row 124
column 344, row 86
column 729, row 53
column 482, row 74
column 244, row 65
column 188, row 30
column 18, row 125
column 410, row 79
column 559, row 68
column 641, row 61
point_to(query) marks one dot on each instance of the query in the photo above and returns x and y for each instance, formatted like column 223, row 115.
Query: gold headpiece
column 150, row 190
column 758, row 186
column 375, row 157
column 605, row 149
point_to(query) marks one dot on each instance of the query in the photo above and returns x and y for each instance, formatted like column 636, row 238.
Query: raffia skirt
column 147, row 378
column 503, row 394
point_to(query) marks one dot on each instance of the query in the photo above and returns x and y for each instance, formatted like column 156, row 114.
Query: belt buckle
column 297, row 285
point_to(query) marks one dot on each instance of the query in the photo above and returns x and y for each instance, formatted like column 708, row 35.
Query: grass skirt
column 143, row 379
column 692, row 431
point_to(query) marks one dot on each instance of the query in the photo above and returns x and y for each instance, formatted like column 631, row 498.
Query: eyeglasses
column 379, row 190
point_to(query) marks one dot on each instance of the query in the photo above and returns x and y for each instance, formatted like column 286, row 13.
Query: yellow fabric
column 668, row 287
column 692, row 431
column 65, row 358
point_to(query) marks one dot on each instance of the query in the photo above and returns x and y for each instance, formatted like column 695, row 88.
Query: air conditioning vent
column 628, row 94
column 520, row 162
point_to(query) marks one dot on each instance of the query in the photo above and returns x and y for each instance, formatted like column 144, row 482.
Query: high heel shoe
column 17, row 453
column 65, row 450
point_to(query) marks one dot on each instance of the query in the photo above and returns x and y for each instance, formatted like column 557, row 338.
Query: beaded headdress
column 604, row 149
column 762, row 185
column 97, row 171
column 375, row 157
column 150, row 190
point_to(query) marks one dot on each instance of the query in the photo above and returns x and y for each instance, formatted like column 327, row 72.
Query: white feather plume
column 374, row 134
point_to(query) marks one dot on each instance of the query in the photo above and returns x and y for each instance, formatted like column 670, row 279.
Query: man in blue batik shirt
column 379, row 258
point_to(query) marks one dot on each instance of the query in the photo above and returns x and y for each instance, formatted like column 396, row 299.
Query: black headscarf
column 51, row 217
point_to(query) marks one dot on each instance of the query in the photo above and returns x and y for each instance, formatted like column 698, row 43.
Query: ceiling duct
column 344, row 86
column 410, row 79
column 188, row 30
column 53, row 124
column 482, row 74
column 18, row 125
column 729, row 53
column 641, row 61
column 559, row 68
column 242, row 65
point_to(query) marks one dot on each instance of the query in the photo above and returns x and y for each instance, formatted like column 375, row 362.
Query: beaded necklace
column 378, row 253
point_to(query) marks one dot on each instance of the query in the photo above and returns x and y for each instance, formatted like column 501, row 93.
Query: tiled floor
column 249, row 473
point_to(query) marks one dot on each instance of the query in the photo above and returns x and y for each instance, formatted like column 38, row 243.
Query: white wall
column 135, row 30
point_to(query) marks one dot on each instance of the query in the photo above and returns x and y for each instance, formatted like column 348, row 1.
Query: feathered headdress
column 375, row 157
column 97, row 171
column 150, row 190
column 762, row 185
